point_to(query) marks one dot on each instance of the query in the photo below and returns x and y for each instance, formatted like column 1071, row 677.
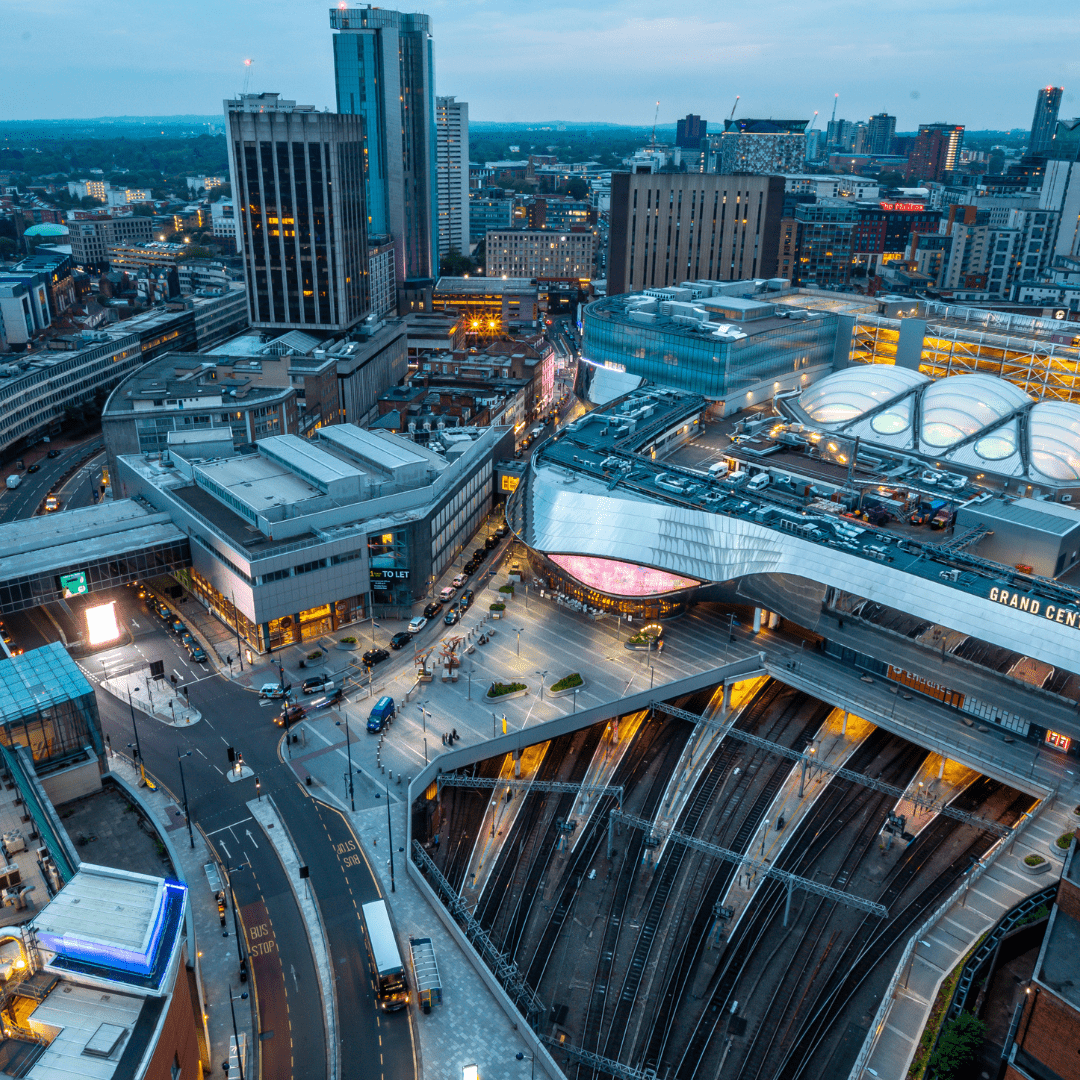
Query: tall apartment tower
column 690, row 131
column 452, row 139
column 936, row 151
column 1043, row 124
column 298, row 186
column 880, row 131
column 384, row 71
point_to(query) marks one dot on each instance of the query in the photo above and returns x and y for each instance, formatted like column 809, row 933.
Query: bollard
column 391, row 774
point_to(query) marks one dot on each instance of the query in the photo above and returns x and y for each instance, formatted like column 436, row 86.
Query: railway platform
column 938, row 779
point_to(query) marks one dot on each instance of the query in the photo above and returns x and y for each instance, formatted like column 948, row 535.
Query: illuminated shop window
column 1062, row 742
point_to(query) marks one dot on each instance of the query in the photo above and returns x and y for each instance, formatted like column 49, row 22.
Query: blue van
column 381, row 714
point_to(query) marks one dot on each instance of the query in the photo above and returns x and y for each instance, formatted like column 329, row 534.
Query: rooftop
column 1058, row 966
column 482, row 286
column 39, row 679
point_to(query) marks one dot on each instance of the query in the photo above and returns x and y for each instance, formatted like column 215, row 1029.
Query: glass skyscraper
column 384, row 70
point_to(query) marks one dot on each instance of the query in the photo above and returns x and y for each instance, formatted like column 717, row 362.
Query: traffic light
column 232, row 755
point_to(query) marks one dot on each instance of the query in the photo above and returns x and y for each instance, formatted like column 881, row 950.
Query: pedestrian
column 108, row 745
column 456, row 735
column 436, row 841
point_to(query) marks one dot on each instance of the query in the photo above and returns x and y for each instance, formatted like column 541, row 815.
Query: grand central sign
column 1020, row 601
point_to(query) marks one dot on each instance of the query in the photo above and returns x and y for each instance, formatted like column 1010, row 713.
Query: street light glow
column 101, row 623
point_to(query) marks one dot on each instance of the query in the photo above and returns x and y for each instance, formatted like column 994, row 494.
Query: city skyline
column 571, row 63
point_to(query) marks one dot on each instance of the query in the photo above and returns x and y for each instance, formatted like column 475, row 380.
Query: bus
column 391, row 985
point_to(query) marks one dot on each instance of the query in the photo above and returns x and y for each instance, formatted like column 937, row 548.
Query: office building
column 670, row 227
column 384, row 71
column 690, row 131
column 91, row 239
column 936, row 152
column 544, row 254
column 154, row 253
column 880, row 130
column 381, row 276
column 452, row 170
column 1044, row 122
column 223, row 221
column 489, row 306
column 486, row 214
column 297, row 176
column 757, row 146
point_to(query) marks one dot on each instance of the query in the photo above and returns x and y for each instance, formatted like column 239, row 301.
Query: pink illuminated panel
column 620, row 578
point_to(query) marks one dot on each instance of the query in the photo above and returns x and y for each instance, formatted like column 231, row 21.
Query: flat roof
column 480, row 285
column 304, row 455
column 258, row 482
column 1059, row 959
column 387, row 453
column 1046, row 517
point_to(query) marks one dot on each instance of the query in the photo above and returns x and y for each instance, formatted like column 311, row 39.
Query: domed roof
column 1054, row 438
column 958, row 407
column 848, row 394
column 47, row 228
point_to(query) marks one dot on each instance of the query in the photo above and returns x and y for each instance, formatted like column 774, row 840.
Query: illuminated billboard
column 101, row 623
column 617, row 578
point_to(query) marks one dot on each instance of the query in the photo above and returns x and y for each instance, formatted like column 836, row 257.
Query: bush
column 498, row 689
column 497, row 607
column 958, row 1048
column 1034, row 860
column 348, row 641
column 568, row 683
column 1064, row 840
column 642, row 639
column 316, row 655
column 507, row 589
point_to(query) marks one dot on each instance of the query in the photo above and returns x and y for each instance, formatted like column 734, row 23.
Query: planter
column 1038, row 868
column 424, row 678
column 1060, row 852
column 1076, row 811
column 507, row 697
column 647, row 646
column 348, row 646
column 569, row 692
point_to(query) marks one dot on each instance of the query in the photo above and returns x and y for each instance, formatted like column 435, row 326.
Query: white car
column 271, row 690
column 460, row 580
column 417, row 624
column 446, row 594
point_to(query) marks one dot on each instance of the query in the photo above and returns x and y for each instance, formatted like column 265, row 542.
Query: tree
column 7, row 246
column 958, row 1047
column 577, row 188
column 454, row 264
column 890, row 179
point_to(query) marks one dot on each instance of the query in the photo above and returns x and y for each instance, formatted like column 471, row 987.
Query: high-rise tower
column 452, row 137
column 1047, row 103
column 298, row 186
column 881, row 128
column 384, row 71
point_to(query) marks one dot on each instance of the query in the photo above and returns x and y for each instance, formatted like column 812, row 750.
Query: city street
column 25, row 500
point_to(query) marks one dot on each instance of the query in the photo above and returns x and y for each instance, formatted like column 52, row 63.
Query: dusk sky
column 975, row 62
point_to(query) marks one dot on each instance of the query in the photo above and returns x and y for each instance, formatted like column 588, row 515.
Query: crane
column 813, row 122
column 652, row 141
column 735, row 106
column 247, row 74
column 836, row 98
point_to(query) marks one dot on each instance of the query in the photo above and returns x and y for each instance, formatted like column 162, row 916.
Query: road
column 24, row 501
column 281, row 960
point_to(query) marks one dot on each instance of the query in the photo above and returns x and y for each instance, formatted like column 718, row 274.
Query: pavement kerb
column 269, row 817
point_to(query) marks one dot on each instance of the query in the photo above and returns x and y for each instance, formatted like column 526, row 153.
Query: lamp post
column 183, row 785
column 236, row 1034
column 135, row 728
column 470, row 674
column 543, row 676
column 520, row 1055
column 348, row 749
column 517, row 630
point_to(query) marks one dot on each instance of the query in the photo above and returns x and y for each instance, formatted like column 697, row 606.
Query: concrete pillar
column 802, row 778
column 941, row 768
column 757, row 620
column 774, row 620
column 725, row 708
column 517, row 764
column 843, row 729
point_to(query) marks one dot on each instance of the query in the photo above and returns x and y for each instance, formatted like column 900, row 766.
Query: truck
column 14, row 480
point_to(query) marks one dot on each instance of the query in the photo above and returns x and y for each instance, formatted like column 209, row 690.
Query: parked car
column 417, row 624
column 433, row 609
column 198, row 653
column 400, row 640
column 163, row 613
column 317, row 683
column 472, row 566
column 460, row 580
column 491, row 542
column 377, row 656
column 292, row 713
column 502, row 530
column 187, row 640
column 479, row 555
column 466, row 599
column 381, row 715
column 447, row 593
column 271, row 690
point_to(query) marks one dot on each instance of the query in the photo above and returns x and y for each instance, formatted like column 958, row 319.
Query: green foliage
column 454, row 264
column 958, row 1047
column 500, row 689
column 1064, row 840
column 1033, row 860
column 891, row 178
column 348, row 640
column 577, row 188
column 497, row 607
column 568, row 683
column 507, row 589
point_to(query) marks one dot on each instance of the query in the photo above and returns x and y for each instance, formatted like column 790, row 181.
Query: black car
column 479, row 555
column 433, row 609
column 376, row 656
column 34, row 467
column 453, row 615
column 53, row 453
column 466, row 599
column 399, row 641
column 491, row 542
column 502, row 530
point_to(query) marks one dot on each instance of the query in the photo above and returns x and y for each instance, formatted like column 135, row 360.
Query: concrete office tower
column 667, row 228
column 298, row 184
column 1047, row 103
column 384, row 71
column 452, row 136
column 880, row 131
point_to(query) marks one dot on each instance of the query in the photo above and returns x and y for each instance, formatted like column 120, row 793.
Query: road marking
column 226, row 827
column 198, row 751
column 252, row 839
column 177, row 674
column 220, row 773
column 226, row 850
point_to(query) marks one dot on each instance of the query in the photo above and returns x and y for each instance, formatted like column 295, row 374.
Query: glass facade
column 675, row 355
column 47, row 705
column 17, row 594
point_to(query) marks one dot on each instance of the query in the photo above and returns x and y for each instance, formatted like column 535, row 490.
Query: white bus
column 391, row 986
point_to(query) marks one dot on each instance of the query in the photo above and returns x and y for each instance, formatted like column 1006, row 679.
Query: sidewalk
column 164, row 703
column 469, row 1027
column 217, row 959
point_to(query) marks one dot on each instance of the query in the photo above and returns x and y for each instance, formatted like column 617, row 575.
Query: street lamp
column 470, row 674
column 183, row 785
column 236, row 1034
column 348, row 748
column 135, row 728
column 543, row 676
column 517, row 630
column 520, row 1055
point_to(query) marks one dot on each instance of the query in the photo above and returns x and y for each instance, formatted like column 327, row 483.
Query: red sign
column 902, row 206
